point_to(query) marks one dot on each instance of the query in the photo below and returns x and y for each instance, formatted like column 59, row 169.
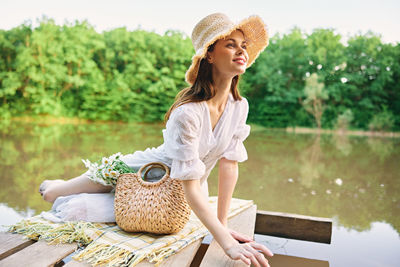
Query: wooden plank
column 294, row 226
column 12, row 243
column 284, row 260
column 39, row 254
column 74, row 263
column 243, row 222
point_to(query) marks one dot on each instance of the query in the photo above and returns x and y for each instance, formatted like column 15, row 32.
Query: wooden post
column 294, row 226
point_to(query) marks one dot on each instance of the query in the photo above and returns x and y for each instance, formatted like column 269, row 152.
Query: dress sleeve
column 181, row 143
column 236, row 149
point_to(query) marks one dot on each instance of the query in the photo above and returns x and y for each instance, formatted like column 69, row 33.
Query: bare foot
column 47, row 189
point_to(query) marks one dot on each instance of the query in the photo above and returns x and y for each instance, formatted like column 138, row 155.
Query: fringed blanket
column 108, row 245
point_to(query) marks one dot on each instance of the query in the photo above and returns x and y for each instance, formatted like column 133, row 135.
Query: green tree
column 383, row 121
column 327, row 59
column 274, row 85
column 315, row 95
column 344, row 120
column 366, row 77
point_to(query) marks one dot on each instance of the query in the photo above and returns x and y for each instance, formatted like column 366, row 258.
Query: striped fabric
column 116, row 247
column 110, row 246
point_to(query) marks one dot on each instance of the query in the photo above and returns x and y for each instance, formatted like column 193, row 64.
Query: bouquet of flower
column 107, row 170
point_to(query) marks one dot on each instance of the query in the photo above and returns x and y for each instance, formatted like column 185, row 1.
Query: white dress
column 191, row 149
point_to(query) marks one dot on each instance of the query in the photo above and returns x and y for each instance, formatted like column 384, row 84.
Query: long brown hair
column 202, row 88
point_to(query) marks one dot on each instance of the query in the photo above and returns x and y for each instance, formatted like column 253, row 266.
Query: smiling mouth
column 240, row 61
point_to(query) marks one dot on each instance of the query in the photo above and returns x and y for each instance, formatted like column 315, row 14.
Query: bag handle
column 152, row 165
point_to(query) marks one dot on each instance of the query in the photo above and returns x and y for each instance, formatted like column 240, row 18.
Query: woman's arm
column 227, row 178
column 246, row 252
column 199, row 204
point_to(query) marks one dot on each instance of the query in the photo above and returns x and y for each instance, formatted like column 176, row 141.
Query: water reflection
column 311, row 165
column 308, row 174
column 342, row 143
column 381, row 147
column 31, row 153
column 354, row 180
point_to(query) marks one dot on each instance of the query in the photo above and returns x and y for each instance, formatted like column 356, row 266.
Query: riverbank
column 48, row 120
column 302, row 130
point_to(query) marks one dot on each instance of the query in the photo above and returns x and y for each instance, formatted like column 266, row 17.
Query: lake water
column 353, row 180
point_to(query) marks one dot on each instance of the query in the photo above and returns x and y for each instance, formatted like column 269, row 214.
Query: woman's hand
column 247, row 252
column 250, row 252
column 242, row 238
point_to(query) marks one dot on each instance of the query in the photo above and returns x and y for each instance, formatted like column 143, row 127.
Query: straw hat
column 217, row 26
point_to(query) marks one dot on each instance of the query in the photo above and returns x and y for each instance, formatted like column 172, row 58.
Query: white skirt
column 82, row 207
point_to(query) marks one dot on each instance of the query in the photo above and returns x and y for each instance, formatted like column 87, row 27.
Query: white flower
column 86, row 162
column 115, row 156
column 114, row 173
column 105, row 173
column 91, row 166
column 107, row 170
column 105, row 161
column 95, row 166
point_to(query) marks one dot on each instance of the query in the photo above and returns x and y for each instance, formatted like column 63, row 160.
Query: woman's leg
column 51, row 189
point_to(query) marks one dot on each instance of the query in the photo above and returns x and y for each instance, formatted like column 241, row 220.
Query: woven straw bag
column 155, row 207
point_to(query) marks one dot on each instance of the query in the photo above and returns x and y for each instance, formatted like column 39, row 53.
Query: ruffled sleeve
column 236, row 149
column 181, row 144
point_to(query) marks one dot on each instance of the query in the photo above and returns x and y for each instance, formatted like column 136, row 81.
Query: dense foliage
column 361, row 77
column 73, row 71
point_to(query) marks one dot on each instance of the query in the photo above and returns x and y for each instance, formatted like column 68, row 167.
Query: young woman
column 205, row 125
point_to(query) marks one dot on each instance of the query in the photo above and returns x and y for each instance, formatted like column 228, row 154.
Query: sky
column 346, row 17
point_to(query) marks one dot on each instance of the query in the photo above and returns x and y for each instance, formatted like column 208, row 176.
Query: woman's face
column 229, row 56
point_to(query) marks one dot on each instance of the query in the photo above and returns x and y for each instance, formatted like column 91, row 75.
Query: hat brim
column 256, row 34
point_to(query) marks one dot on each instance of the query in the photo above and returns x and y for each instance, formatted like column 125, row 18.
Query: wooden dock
column 18, row 251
